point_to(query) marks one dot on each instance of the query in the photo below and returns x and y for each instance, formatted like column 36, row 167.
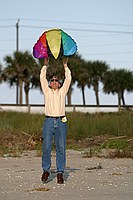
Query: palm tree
column 13, row 72
column 97, row 70
column 1, row 74
column 79, row 73
column 20, row 69
column 56, row 68
column 83, row 79
column 117, row 81
column 30, row 74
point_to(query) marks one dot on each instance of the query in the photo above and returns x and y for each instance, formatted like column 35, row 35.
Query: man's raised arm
column 68, row 76
column 43, row 79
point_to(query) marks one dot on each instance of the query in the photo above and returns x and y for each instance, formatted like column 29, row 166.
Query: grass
column 20, row 131
column 116, row 144
column 86, row 125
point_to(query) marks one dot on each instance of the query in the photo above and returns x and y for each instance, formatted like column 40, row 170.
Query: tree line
column 23, row 70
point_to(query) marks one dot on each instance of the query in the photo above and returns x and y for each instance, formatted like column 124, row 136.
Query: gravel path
column 85, row 178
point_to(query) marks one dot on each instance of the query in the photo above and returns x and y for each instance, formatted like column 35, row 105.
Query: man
column 55, row 123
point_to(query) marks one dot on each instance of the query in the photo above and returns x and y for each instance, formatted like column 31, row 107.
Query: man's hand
column 65, row 61
column 46, row 61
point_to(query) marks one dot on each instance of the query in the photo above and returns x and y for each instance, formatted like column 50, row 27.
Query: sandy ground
column 20, row 178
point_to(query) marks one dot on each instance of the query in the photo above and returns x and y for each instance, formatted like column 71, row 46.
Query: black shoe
column 45, row 176
column 60, row 179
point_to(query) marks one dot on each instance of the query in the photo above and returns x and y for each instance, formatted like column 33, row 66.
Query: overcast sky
column 103, row 30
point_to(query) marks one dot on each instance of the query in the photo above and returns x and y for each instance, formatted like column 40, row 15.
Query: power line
column 72, row 29
column 77, row 22
column 109, row 53
column 7, row 26
column 82, row 30
column 68, row 22
column 111, row 44
column 120, row 61
column 7, row 40
column 8, row 19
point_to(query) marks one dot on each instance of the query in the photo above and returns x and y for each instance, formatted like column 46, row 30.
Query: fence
column 35, row 108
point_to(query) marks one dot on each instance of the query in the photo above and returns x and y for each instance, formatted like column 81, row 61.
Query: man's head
column 54, row 83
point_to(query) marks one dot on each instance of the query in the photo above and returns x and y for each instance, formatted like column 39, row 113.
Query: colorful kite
column 54, row 42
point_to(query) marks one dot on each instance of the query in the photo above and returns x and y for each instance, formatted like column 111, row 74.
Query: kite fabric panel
column 54, row 42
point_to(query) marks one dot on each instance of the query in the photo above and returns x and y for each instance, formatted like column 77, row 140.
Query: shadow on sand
column 67, row 172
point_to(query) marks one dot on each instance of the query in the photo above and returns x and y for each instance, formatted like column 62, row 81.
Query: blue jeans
column 54, row 128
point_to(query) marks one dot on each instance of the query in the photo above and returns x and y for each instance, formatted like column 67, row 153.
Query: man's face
column 54, row 84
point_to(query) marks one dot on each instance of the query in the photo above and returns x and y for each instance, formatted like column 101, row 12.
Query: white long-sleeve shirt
column 55, row 99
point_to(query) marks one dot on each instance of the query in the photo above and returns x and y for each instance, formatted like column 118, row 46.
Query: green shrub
column 116, row 144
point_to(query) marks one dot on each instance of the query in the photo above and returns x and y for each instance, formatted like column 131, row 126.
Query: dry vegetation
column 92, row 132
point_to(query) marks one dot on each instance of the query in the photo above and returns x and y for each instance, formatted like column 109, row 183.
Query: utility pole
column 17, row 35
column 17, row 49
